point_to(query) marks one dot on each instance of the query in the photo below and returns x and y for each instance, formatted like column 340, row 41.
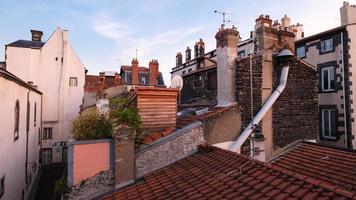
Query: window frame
column 71, row 83
column 322, row 47
column 45, row 135
column 35, row 115
column 331, row 71
column 241, row 52
column 16, row 120
column 305, row 52
column 50, row 156
column 333, row 134
column 199, row 82
column 2, row 186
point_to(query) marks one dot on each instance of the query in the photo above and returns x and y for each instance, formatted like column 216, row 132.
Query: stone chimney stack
column 154, row 72
column 199, row 48
column 347, row 14
column 226, row 54
column 179, row 59
column 134, row 73
column 124, row 157
column 285, row 21
column 188, row 54
column 268, row 36
column 36, row 35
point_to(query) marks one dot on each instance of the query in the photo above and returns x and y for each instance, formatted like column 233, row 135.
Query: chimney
column 285, row 21
column 179, row 59
column 226, row 54
column 124, row 157
column 101, row 84
column 347, row 14
column 117, row 79
column 153, row 69
column 134, row 73
column 188, row 54
column 269, row 37
column 36, row 35
column 199, row 48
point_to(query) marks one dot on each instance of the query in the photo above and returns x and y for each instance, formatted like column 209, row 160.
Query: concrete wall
column 224, row 127
column 13, row 153
column 169, row 149
column 50, row 68
column 87, row 158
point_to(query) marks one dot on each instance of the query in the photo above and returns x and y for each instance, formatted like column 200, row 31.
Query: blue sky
column 105, row 33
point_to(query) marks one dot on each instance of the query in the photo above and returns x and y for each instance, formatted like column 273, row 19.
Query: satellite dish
column 177, row 82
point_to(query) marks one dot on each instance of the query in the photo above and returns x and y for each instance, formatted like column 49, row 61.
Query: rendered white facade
column 18, row 155
column 51, row 68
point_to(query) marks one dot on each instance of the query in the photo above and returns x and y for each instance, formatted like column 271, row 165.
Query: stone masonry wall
column 168, row 150
column 243, row 91
column 295, row 113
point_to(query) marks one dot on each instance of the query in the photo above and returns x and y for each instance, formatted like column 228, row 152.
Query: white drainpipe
column 236, row 146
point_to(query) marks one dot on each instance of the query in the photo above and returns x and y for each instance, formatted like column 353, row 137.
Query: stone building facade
column 332, row 53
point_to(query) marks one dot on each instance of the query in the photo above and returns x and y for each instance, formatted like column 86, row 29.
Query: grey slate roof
column 26, row 44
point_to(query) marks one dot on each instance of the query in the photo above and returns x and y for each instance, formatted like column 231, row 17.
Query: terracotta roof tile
column 330, row 167
column 213, row 173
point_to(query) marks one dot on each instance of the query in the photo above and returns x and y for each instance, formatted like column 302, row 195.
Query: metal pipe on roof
column 236, row 146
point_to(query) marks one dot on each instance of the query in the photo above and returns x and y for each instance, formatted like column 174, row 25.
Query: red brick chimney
column 134, row 71
column 153, row 69
column 117, row 79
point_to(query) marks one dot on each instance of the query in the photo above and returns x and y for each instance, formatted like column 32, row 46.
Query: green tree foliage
column 91, row 125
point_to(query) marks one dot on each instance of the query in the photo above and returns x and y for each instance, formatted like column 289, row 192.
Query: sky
column 106, row 33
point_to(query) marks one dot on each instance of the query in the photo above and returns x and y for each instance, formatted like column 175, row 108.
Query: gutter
column 236, row 146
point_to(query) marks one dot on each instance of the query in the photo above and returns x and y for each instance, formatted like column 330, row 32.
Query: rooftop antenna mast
column 224, row 15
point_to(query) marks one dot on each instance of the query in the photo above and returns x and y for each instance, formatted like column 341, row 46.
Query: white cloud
column 161, row 45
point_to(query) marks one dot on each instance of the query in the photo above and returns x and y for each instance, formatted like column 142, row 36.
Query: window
column 64, row 154
column 2, row 186
column 28, row 117
column 143, row 81
column 326, row 45
column 39, row 136
column 198, row 80
column 46, row 156
column 189, row 70
column 35, row 115
column 47, row 133
column 242, row 54
column 73, row 81
column 301, row 52
column 328, row 123
column 327, row 79
column 183, row 72
column 16, row 120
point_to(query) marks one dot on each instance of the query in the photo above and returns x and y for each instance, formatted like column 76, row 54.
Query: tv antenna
column 224, row 15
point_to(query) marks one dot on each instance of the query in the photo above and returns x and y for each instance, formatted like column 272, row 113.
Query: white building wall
column 13, row 153
column 50, row 68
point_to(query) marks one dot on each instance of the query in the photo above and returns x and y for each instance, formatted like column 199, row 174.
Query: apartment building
column 20, row 136
column 332, row 51
column 59, row 74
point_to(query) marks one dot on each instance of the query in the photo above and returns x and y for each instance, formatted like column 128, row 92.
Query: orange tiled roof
column 334, row 166
column 214, row 173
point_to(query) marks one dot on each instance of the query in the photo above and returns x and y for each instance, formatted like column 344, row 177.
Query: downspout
column 236, row 146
